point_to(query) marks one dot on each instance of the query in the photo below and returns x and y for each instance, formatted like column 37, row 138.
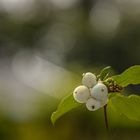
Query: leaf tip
column 53, row 120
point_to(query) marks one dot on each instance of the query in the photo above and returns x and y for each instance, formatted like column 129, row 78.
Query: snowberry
column 81, row 94
column 93, row 104
column 103, row 103
column 89, row 79
column 99, row 92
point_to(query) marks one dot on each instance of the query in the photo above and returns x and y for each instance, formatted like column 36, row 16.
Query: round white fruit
column 89, row 79
column 93, row 104
column 103, row 103
column 81, row 94
column 99, row 92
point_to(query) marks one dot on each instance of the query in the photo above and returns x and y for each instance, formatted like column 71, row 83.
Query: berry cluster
column 113, row 86
column 93, row 93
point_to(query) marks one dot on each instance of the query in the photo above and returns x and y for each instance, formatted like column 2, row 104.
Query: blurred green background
column 45, row 46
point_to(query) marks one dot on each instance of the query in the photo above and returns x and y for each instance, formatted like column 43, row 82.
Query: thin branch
column 105, row 116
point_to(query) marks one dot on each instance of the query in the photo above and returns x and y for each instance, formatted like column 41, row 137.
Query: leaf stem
column 105, row 116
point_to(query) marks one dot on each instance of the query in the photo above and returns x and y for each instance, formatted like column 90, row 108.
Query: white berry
column 89, row 79
column 103, row 103
column 81, row 94
column 99, row 92
column 93, row 104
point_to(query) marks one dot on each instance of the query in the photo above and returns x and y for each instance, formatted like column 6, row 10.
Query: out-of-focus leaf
column 68, row 103
column 129, row 76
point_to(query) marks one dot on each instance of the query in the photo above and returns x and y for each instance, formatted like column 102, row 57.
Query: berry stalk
column 105, row 116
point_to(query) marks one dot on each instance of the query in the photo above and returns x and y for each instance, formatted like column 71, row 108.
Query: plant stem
column 105, row 115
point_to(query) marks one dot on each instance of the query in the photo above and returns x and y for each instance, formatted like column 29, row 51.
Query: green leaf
column 129, row 76
column 127, row 105
column 112, row 94
column 104, row 73
column 68, row 103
